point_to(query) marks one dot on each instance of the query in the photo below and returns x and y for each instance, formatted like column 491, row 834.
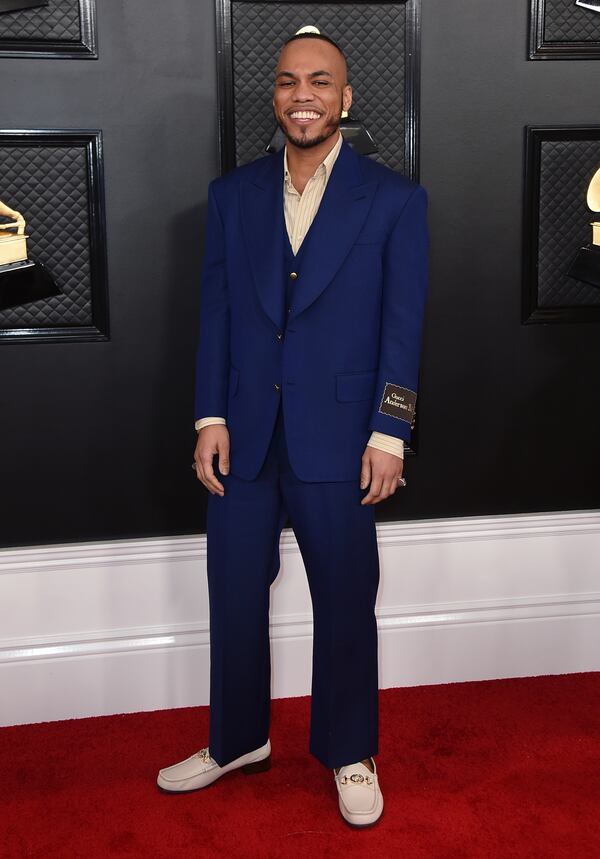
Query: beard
column 302, row 141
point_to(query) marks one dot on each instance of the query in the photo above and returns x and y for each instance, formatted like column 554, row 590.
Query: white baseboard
column 101, row 628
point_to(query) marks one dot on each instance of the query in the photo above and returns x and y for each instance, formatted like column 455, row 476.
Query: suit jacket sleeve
column 405, row 274
column 212, row 360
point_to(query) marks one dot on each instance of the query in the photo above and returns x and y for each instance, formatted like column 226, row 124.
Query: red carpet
column 506, row 768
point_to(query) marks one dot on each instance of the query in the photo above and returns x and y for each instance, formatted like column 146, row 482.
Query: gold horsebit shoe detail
column 204, row 756
column 357, row 778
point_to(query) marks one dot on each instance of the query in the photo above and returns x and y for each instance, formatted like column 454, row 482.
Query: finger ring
column 402, row 481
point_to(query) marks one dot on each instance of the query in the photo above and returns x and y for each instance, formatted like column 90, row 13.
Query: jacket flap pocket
column 351, row 387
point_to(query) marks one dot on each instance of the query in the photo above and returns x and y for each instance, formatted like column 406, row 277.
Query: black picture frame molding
column 91, row 140
column 531, row 312
column 55, row 49
column 541, row 49
column 226, row 107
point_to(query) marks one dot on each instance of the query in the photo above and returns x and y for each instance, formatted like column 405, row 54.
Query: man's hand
column 381, row 470
column 212, row 439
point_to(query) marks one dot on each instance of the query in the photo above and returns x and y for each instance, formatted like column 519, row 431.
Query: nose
column 303, row 92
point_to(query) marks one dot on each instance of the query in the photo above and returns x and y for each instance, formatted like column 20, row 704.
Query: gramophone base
column 358, row 136
column 18, row 5
column 22, row 282
column 353, row 132
column 586, row 265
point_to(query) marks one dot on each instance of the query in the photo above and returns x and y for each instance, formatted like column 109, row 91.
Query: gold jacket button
column 293, row 275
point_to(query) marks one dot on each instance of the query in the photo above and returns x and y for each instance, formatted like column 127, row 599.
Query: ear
column 347, row 97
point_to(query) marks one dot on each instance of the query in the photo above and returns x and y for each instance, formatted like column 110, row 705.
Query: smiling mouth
column 303, row 116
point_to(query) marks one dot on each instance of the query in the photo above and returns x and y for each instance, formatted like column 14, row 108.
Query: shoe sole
column 261, row 766
column 362, row 825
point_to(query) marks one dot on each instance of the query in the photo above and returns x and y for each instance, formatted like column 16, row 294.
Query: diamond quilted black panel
column 48, row 185
column 566, row 22
column 372, row 36
column 566, row 169
column 59, row 21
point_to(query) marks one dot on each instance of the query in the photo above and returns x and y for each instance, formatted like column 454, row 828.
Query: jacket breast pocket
column 353, row 387
column 234, row 378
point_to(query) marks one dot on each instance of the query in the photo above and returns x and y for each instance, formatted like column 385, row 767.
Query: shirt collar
column 326, row 165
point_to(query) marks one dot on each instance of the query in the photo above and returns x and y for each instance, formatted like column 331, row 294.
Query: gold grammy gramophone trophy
column 586, row 265
column 22, row 280
column 13, row 245
column 352, row 129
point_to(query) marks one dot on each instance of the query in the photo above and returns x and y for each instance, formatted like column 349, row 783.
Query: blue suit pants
column 337, row 540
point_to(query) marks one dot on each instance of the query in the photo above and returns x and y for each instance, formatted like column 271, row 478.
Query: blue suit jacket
column 345, row 360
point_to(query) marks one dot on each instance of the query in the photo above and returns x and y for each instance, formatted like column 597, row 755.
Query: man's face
column 310, row 91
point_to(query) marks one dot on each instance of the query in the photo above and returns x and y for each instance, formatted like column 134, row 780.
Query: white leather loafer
column 200, row 770
column 360, row 798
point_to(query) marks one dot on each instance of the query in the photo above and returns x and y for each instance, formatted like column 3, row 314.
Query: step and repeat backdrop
column 104, row 167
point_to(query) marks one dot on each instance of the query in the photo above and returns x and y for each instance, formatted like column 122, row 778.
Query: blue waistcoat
column 292, row 264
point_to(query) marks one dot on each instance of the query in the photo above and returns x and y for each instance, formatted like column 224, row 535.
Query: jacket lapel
column 263, row 227
column 341, row 215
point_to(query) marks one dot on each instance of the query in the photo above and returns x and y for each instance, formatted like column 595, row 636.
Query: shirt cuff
column 388, row 443
column 207, row 422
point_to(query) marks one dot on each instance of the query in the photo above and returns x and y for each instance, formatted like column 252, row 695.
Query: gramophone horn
column 593, row 5
column 593, row 194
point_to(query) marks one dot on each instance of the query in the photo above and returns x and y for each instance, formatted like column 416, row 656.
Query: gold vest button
column 293, row 275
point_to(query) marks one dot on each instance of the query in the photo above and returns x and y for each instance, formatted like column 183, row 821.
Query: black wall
column 97, row 438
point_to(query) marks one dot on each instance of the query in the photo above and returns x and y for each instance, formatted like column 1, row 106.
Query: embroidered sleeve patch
column 398, row 403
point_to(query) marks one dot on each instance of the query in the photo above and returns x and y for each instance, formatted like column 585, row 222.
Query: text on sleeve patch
column 398, row 402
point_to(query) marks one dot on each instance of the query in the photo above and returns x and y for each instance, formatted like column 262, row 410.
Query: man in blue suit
column 313, row 292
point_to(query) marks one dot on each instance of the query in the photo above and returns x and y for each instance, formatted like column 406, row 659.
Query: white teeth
column 305, row 114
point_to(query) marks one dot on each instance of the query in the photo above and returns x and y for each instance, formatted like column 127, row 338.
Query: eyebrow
column 312, row 74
